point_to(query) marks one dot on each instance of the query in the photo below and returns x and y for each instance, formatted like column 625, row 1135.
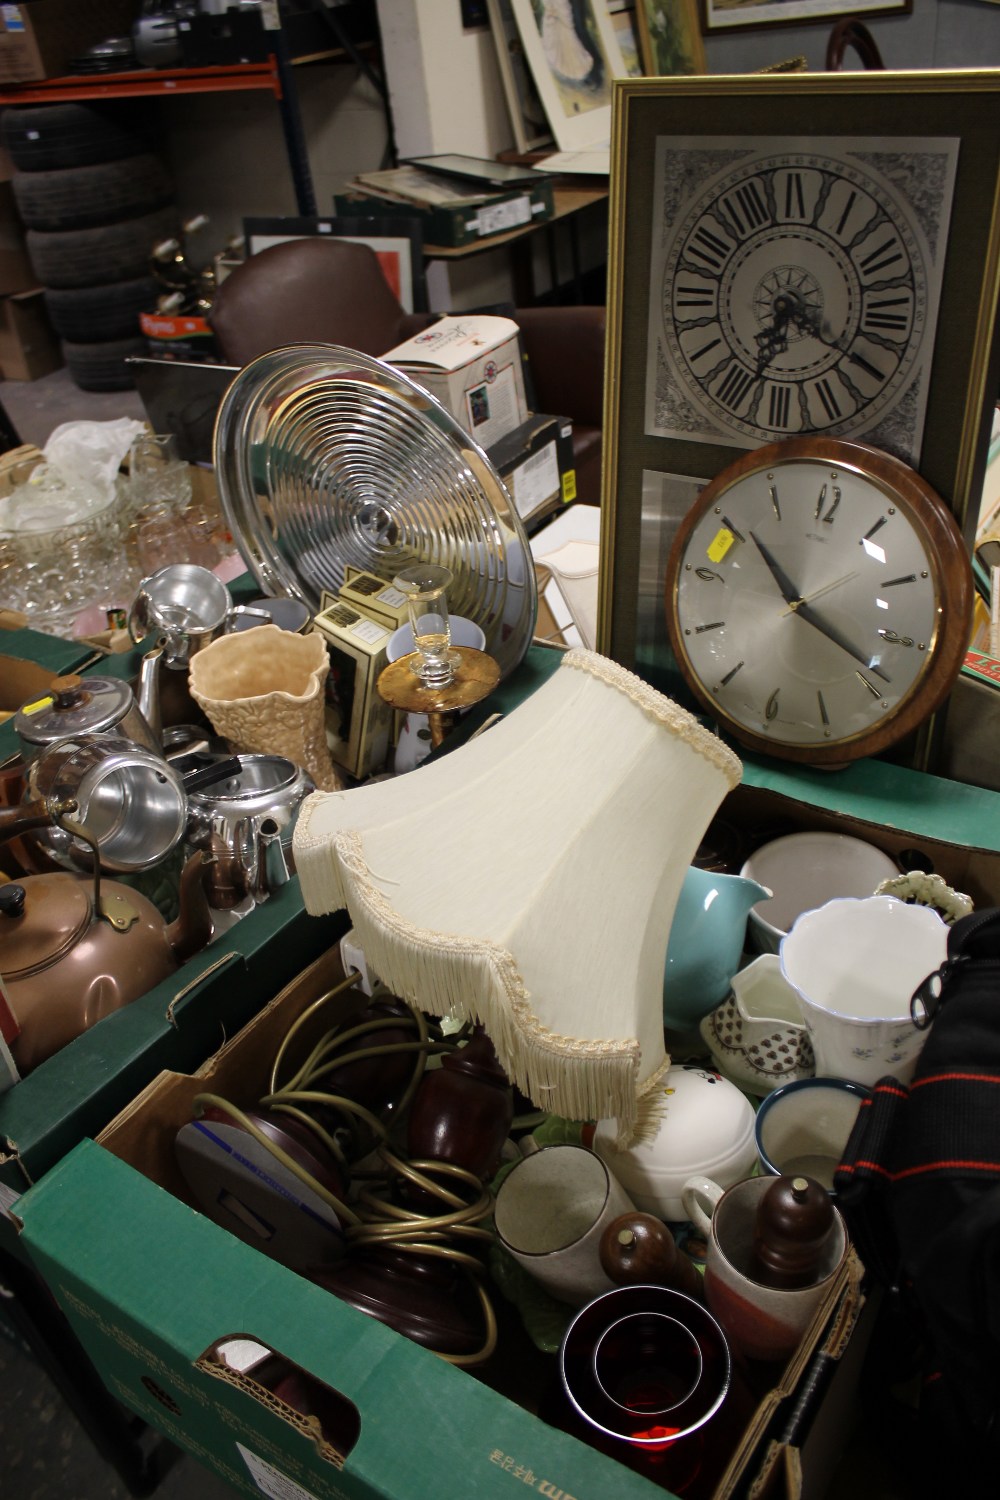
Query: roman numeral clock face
column 797, row 290
column 819, row 599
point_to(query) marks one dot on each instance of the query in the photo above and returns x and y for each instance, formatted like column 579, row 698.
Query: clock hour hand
column 805, row 612
column 789, row 592
column 774, row 340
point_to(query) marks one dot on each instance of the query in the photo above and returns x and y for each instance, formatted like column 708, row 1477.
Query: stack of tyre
column 94, row 200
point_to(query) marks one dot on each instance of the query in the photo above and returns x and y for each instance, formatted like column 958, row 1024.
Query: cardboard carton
column 176, row 1024
column 472, row 364
column 359, row 722
column 29, row 347
column 41, row 39
column 169, row 1307
column 536, row 463
column 372, row 596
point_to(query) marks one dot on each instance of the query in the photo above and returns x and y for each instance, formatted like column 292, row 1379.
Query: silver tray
column 326, row 459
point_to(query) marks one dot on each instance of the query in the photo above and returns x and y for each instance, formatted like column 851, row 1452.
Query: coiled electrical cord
column 375, row 1220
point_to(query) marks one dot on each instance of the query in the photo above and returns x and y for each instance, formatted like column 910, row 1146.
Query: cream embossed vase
column 263, row 691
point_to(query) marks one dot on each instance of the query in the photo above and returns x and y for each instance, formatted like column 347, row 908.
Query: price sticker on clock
column 720, row 544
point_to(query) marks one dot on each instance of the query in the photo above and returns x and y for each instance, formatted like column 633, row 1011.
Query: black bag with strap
column 919, row 1186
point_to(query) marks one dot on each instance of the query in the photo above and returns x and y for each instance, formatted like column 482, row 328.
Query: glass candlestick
column 426, row 588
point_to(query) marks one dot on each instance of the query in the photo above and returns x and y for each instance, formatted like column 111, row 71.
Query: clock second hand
column 796, row 604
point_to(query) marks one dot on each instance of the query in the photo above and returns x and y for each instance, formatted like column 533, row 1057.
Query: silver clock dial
column 807, row 603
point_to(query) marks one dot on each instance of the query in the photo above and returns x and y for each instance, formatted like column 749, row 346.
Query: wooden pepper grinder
column 637, row 1249
column 793, row 1225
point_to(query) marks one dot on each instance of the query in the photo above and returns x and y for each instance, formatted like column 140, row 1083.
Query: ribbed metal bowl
column 326, row 458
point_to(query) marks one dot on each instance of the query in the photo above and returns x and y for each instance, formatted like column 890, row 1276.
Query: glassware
column 168, row 523
column 60, row 545
column 645, row 1370
column 426, row 588
column 159, row 479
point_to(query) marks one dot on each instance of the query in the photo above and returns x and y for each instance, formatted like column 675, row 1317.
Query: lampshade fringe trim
column 480, row 982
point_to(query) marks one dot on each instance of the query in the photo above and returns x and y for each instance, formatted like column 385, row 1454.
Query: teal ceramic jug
column 706, row 943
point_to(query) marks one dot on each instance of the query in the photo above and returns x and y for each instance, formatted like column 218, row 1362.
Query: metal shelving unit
column 272, row 76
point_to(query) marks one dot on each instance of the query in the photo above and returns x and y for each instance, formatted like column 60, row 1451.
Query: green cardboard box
column 153, row 1289
column 955, row 826
column 177, row 1024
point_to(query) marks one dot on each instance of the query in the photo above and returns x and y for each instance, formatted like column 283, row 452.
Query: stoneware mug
column 761, row 1322
column 802, row 1128
column 551, row 1210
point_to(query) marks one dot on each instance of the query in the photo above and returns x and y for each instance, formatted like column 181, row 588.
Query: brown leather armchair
column 334, row 292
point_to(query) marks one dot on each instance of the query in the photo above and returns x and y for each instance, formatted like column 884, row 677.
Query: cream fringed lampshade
column 528, row 880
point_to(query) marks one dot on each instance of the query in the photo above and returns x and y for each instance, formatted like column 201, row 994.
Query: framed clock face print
column 791, row 257
column 795, row 290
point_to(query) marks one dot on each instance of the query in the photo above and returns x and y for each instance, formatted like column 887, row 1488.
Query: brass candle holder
column 475, row 676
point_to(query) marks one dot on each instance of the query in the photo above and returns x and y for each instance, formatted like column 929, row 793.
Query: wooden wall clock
column 819, row 599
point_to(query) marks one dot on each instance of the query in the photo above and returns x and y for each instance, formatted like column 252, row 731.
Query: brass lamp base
column 476, row 675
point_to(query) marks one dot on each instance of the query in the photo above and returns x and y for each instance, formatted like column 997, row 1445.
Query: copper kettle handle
column 24, row 815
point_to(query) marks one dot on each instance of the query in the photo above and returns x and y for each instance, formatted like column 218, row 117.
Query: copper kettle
column 74, row 949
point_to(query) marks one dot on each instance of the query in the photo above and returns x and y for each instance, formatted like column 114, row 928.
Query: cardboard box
column 153, row 1288
column 972, row 724
column 954, row 825
column 41, row 39
column 176, row 1024
column 16, row 272
column 536, row 463
column 183, row 337
column 472, row 364
column 29, row 347
column 449, row 226
column 371, row 596
column 359, row 722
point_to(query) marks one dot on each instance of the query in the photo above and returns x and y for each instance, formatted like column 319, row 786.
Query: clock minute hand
column 805, row 612
column 789, row 592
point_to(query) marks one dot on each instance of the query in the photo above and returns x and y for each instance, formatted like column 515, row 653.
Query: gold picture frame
column 930, row 393
column 670, row 40
column 751, row 15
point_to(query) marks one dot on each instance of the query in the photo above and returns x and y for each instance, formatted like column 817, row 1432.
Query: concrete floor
column 46, row 1453
column 36, row 407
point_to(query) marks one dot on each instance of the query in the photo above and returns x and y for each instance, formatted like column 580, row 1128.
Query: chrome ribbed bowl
column 326, row 459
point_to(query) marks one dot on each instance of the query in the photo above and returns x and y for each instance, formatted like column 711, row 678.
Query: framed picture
column 789, row 255
column 528, row 119
column 572, row 50
column 727, row 15
column 624, row 24
column 397, row 242
column 670, row 41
